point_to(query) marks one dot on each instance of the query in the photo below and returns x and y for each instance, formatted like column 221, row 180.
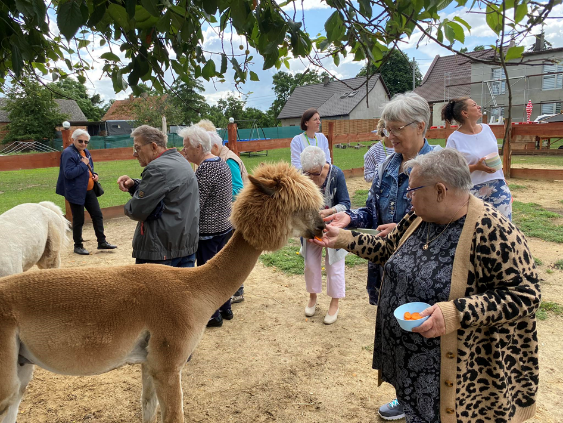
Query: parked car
column 543, row 118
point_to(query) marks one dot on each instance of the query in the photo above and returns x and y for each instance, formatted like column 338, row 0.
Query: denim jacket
column 334, row 190
column 387, row 202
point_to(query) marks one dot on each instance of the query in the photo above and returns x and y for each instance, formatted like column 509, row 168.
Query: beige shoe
column 329, row 320
column 310, row 311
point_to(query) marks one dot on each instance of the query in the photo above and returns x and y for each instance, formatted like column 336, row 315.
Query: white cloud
column 300, row 5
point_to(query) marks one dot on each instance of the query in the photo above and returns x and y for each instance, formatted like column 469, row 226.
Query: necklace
column 309, row 142
column 425, row 246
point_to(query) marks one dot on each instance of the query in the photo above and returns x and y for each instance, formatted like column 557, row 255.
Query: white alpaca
column 32, row 234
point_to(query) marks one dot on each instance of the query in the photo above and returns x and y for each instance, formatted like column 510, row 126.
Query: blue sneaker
column 392, row 411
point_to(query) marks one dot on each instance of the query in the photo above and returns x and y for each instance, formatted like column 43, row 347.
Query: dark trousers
column 375, row 276
column 206, row 250
column 93, row 207
column 187, row 261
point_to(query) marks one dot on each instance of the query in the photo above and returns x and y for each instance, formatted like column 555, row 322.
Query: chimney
column 326, row 81
column 539, row 45
column 131, row 97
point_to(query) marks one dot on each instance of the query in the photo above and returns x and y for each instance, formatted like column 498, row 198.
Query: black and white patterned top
column 215, row 195
column 407, row 360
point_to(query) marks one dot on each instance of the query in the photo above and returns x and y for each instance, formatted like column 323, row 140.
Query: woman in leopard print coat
column 475, row 359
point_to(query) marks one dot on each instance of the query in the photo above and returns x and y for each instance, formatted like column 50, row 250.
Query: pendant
column 425, row 247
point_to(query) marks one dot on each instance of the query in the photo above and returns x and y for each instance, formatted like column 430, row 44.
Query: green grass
column 548, row 307
column 538, row 261
column 35, row 185
column 516, row 187
column 532, row 161
column 559, row 264
column 359, row 198
column 534, row 220
column 288, row 260
column 549, row 271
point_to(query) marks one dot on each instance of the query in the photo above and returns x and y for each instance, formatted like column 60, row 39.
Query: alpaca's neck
column 228, row 270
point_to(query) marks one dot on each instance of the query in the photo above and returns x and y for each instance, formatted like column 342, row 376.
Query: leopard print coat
column 489, row 354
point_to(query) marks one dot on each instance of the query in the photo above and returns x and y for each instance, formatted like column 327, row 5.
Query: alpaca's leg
column 169, row 392
column 9, row 377
column 25, row 374
column 149, row 401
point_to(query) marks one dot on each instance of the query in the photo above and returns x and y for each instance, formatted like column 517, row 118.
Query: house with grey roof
column 345, row 99
column 448, row 77
column 67, row 107
column 538, row 81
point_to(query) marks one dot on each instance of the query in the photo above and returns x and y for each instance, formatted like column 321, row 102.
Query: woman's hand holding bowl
column 435, row 325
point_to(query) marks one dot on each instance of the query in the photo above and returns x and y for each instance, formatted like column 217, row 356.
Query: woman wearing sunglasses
column 76, row 184
column 332, row 184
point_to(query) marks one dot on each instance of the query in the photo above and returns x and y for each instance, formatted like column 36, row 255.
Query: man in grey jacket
column 165, row 202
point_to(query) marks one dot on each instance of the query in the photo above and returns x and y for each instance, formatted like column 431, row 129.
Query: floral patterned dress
column 407, row 360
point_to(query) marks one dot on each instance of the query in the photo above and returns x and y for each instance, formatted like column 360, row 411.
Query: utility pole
column 413, row 73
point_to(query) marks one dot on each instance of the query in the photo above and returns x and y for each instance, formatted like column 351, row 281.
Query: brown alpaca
column 90, row 321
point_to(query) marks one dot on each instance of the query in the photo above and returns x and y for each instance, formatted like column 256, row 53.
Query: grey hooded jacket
column 165, row 202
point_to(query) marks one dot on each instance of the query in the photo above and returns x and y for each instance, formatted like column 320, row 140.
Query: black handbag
column 98, row 190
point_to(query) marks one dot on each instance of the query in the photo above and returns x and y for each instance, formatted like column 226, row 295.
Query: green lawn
column 30, row 186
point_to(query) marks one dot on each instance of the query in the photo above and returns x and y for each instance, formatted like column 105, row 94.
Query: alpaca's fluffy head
column 278, row 202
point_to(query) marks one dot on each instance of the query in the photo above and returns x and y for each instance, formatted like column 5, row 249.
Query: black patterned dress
column 407, row 360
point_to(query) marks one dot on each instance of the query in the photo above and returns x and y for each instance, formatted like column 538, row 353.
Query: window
column 550, row 108
column 496, row 113
column 555, row 81
column 498, row 88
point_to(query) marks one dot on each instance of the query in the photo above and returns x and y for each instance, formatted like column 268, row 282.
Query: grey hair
column 312, row 157
column 406, row 108
column 215, row 138
column 150, row 135
column 79, row 132
column 196, row 135
column 446, row 165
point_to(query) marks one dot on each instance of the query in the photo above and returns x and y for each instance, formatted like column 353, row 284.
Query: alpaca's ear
column 263, row 185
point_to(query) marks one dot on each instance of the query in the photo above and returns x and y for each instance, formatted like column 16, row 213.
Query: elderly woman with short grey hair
column 406, row 118
column 332, row 184
column 215, row 194
column 475, row 356
column 76, row 183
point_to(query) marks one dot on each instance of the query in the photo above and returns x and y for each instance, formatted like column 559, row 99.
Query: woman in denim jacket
column 406, row 119
column 332, row 184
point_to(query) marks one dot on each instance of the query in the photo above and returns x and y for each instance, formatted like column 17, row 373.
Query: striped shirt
column 374, row 156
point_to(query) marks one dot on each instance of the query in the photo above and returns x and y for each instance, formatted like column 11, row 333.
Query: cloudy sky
column 261, row 95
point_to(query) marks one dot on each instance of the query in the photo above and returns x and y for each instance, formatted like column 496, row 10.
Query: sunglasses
column 83, row 142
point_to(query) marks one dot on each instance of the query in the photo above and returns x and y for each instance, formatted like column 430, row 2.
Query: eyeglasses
column 136, row 149
column 312, row 173
column 83, row 142
column 409, row 192
column 386, row 132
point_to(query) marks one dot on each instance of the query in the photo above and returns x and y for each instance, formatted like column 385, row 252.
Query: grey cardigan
column 165, row 202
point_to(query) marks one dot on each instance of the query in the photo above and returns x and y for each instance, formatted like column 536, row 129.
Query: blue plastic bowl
column 408, row 325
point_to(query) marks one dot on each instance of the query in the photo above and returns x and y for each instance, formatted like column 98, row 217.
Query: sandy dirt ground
column 270, row 363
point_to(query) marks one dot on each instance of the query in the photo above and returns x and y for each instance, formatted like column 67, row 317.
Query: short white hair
column 196, row 135
column 78, row 132
column 407, row 107
column 215, row 138
column 312, row 157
